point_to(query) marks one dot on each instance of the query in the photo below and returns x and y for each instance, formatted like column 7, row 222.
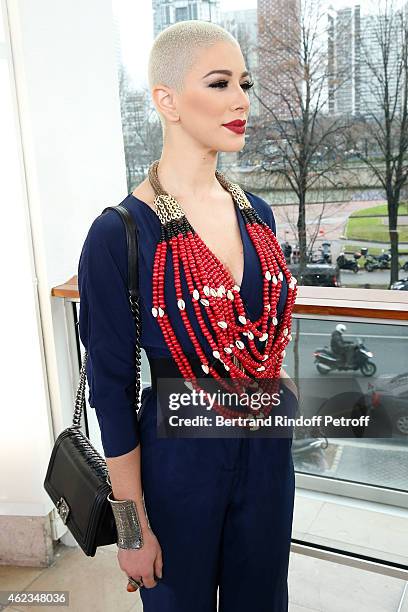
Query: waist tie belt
column 166, row 367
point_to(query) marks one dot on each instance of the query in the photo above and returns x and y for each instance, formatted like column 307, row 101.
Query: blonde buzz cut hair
column 175, row 50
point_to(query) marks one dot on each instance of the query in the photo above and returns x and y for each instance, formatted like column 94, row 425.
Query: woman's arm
column 125, row 476
column 147, row 562
column 108, row 332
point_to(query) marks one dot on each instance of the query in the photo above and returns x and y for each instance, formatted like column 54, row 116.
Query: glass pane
column 364, row 472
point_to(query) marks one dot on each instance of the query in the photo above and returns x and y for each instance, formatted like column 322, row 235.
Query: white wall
column 62, row 162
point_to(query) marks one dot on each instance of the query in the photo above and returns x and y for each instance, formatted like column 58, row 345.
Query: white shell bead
column 213, row 292
column 236, row 287
column 206, row 290
column 181, row 304
column 268, row 275
column 263, row 337
column 242, row 319
column 216, row 354
column 268, row 307
column 226, row 366
column 221, row 291
column 265, row 357
column 230, row 295
column 239, row 344
column 260, row 369
column 161, row 312
column 222, row 324
column 274, row 280
column 205, row 368
column 154, row 311
column 285, row 331
column 204, row 301
column 189, row 385
column 280, row 276
column 250, row 335
column 196, row 294
column 274, row 320
column 227, row 349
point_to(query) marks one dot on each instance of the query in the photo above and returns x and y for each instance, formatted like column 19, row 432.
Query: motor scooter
column 326, row 361
column 378, row 262
column 348, row 264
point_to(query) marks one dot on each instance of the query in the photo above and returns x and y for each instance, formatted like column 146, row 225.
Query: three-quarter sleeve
column 107, row 331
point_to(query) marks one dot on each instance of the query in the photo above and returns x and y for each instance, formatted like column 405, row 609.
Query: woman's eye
column 222, row 84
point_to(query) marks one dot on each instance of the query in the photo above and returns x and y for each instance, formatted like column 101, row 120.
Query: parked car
column 400, row 285
column 390, row 394
column 321, row 275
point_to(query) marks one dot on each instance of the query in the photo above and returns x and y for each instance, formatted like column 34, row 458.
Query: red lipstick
column 237, row 126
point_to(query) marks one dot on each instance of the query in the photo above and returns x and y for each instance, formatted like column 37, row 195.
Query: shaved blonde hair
column 175, row 50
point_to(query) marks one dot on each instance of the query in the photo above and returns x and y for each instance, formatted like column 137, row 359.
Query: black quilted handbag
column 77, row 478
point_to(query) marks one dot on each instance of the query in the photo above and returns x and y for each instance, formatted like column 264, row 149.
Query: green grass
column 372, row 228
column 380, row 209
column 352, row 248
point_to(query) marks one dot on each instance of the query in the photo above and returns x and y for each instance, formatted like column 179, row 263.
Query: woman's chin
column 232, row 147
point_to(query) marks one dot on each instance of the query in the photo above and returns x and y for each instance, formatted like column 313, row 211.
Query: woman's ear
column 164, row 100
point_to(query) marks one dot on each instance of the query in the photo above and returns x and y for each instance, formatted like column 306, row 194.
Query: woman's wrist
column 131, row 520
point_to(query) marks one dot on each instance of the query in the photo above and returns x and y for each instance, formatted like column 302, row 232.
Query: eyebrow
column 228, row 72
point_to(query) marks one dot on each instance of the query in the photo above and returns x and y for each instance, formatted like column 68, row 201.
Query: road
column 387, row 342
column 381, row 461
column 376, row 278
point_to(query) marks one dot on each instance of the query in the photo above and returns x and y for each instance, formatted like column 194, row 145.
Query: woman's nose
column 241, row 99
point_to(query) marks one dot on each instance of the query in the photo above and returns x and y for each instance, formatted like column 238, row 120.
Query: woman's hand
column 289, row 383
column 145, row 562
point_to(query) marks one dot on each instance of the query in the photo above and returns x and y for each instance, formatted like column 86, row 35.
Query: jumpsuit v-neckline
column 243, row 235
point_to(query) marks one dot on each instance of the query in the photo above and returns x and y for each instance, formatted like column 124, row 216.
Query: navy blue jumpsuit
column 221, row 508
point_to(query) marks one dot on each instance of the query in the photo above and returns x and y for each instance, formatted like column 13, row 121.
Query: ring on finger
column 134, row 582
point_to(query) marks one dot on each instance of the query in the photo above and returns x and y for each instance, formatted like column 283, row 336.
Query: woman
column 213, row 512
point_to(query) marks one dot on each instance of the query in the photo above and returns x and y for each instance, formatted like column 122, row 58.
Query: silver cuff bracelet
column 127, row 523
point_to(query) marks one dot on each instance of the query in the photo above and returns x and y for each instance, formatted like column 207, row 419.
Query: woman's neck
column 189, row 175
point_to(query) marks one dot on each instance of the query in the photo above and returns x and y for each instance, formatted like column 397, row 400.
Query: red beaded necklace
column 212, row 287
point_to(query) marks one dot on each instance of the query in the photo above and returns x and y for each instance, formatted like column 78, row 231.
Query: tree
column 142, row 132
column 385, row 102
column 298, row 139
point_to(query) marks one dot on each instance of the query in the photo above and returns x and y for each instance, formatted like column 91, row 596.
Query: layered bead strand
column 212, row 287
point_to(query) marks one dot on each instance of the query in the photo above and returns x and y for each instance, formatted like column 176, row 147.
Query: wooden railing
column 328, row 301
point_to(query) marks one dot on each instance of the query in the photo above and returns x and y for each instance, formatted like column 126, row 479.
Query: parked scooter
column 348, row 264
column 360, row 359
column 378, row 262
column 309, row 454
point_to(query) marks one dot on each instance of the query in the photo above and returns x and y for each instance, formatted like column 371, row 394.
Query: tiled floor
column 97, row 584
